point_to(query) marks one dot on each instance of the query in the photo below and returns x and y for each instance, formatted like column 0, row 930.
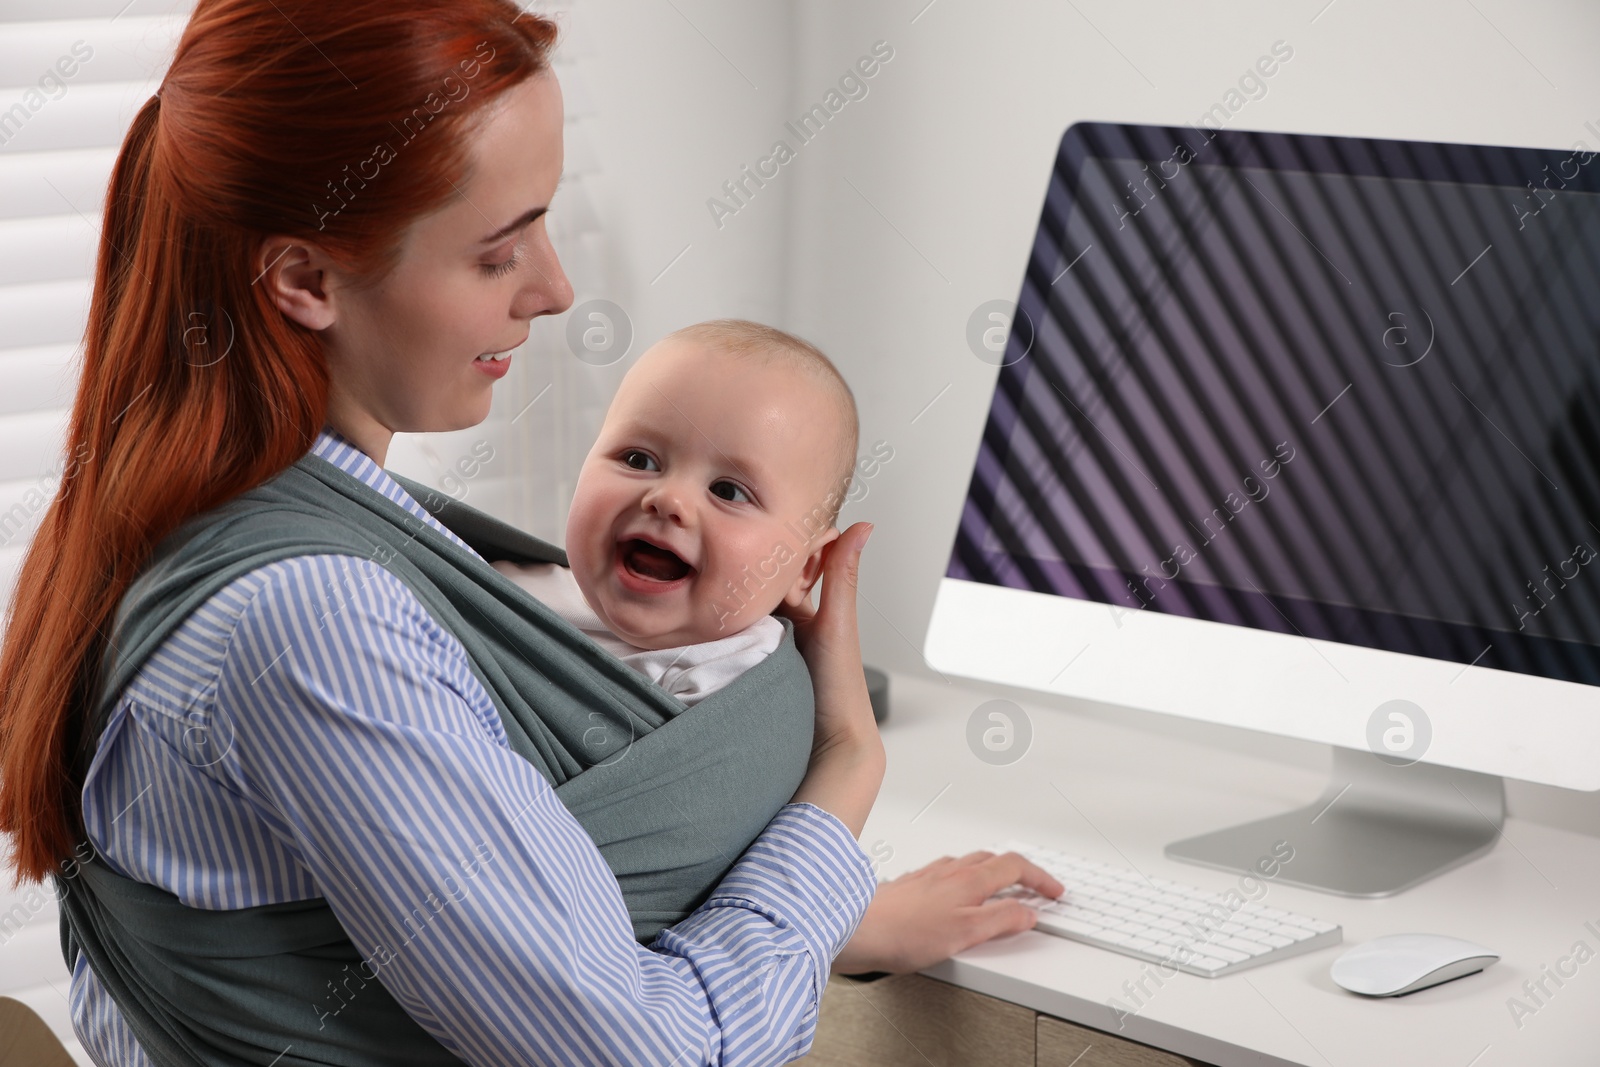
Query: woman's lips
column 494, row 368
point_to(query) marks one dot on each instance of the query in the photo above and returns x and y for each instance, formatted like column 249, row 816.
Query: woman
column 270, row 779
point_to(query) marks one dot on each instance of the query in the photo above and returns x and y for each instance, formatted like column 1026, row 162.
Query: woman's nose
column 547, row 290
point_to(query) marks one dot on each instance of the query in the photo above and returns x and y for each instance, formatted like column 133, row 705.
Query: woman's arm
column 930, row 914
column 481, row 904
column 847, row 759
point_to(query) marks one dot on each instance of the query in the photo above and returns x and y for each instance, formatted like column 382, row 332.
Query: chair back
column 25, row 1039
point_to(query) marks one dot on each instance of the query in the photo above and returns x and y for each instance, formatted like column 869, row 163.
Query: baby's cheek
column 587, row 532
column 586, row 559
column 590, row 578
column 753, row 580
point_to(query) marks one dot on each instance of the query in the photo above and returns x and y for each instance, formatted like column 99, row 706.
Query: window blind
column 72, row 75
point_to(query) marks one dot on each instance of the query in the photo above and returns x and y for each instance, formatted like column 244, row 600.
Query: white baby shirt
column 689, row 672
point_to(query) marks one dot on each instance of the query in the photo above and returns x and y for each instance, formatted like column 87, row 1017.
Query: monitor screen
column 1335, row 387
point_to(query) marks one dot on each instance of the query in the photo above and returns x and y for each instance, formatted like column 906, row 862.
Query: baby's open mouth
column 656, row 564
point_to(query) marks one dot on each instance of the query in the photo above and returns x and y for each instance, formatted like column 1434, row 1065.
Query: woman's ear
column 810, row 572
column 296, row 276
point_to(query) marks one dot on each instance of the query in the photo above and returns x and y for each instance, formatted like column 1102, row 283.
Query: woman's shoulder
column 327, row 627
column 297, row 591
column 286, row 595
column 289, row 652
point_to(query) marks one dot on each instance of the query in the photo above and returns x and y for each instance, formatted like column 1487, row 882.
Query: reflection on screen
column 1351, row 406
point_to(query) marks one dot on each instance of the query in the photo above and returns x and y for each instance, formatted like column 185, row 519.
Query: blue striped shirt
column 311, row 731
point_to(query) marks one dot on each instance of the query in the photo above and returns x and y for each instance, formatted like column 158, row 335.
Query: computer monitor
column 1302, row 434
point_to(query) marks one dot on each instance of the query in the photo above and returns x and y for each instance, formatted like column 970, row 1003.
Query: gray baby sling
column 671, row 795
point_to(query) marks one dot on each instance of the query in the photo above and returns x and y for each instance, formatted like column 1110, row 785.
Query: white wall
column 954, row 144
column 688, row 91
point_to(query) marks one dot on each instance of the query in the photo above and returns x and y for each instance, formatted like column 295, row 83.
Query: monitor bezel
column 1001, row 634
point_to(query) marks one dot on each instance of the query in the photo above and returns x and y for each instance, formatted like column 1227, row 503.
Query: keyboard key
column 1249, row 948
column 1116, row 937
column 1170, row 946
column 1222, row 952
column 1199, row 931
column 1298, row 933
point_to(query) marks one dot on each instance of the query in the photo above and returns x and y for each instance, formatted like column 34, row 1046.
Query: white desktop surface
column 1094, row 786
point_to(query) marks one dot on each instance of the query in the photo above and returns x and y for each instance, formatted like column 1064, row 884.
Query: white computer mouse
column 1404, row 963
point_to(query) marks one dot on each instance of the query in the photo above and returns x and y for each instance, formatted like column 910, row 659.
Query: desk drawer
column 910, row 1020
column 1064, row 1044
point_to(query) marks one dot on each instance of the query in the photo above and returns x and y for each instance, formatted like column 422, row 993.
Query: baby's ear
column 810, row 572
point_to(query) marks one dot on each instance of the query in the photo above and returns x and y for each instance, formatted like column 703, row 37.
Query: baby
column 704, row 504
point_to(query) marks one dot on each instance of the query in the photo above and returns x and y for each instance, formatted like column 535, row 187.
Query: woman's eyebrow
column 516, row 224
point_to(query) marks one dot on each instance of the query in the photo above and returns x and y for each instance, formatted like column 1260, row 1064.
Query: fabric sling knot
column 672, row 796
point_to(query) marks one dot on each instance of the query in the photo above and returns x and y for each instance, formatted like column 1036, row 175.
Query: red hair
column 273, row 119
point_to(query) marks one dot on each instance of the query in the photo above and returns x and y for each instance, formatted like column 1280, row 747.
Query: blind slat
column 90, row 116
column 47, row 248
column 48, row 313
column 31, row 444
column 35, row 10
column 22, row 508
column 37, row 379
column 90, row 49
column 49, row 183
column 10, row 564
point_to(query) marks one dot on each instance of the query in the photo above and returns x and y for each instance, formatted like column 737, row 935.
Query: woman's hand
column 847, row 758
column 830, row 640
column 930, row 914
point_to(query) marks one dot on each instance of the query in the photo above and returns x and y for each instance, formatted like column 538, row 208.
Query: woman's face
column 403, row 353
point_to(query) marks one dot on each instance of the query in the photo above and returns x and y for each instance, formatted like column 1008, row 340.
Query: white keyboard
column 1197, row 931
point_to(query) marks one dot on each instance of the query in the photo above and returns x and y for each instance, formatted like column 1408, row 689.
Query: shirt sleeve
column 361, row 736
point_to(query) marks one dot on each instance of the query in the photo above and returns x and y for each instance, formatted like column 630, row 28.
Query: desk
column 1117, row 788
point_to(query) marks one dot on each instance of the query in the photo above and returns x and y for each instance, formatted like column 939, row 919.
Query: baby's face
column 723, row 461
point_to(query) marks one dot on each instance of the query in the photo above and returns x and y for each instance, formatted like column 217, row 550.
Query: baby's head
column 730, row 444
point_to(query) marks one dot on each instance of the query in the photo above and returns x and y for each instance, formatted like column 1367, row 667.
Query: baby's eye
column 627, row 457
column 732, row 486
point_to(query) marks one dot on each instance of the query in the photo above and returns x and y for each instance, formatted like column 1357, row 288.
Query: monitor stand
column 1377, row 829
